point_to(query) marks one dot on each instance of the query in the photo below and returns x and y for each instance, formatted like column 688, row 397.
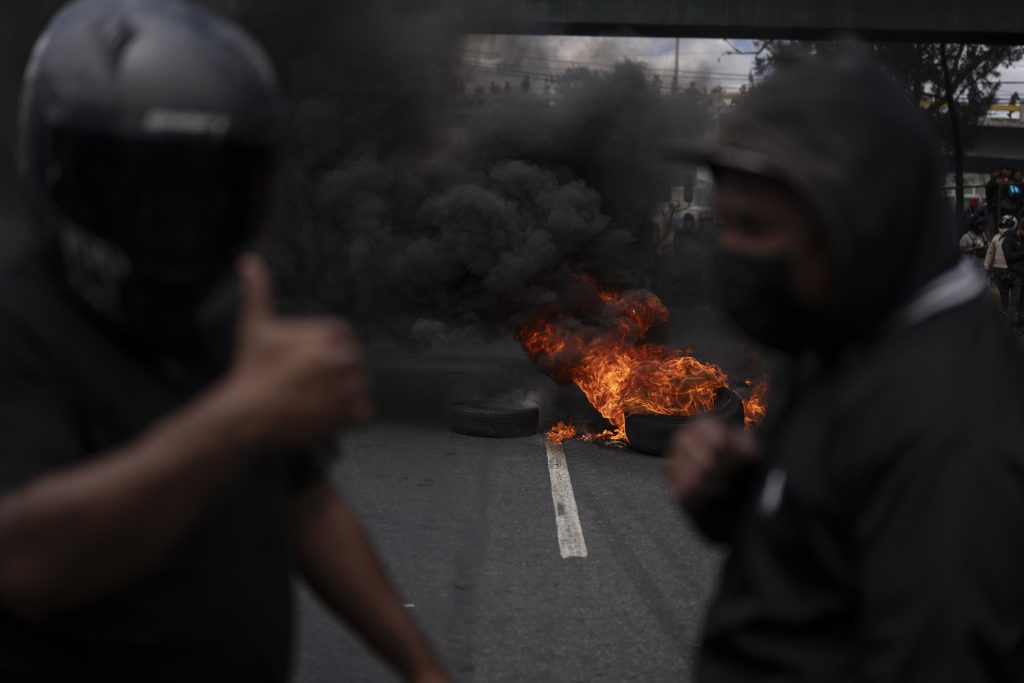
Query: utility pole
column 954, row 120
column 675, row 77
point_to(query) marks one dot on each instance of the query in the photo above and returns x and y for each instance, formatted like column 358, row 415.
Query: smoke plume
column 419, row 210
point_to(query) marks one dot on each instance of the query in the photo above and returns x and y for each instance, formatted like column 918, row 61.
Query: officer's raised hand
column 297, row 379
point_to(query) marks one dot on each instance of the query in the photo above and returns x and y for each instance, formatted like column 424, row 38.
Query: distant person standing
column 1003, row 204
column 1013, row 250
column 995, row 263
column 1012, row 197
column 974, row 212
column 973, row 243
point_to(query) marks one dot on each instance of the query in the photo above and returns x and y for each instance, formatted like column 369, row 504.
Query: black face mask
column 758, row 295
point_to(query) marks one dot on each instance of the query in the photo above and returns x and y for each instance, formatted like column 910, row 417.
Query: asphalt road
column 467, row 528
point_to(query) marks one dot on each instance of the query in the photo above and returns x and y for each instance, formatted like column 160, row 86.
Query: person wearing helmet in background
column 160, row 480
column 995, row 263
column 874, row 520
column 1013, row 252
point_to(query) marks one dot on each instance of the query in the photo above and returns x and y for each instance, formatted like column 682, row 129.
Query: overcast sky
column 715, row 61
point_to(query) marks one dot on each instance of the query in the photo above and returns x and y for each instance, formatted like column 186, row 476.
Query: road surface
column 468, row 528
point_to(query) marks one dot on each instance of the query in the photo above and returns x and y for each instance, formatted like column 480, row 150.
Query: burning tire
column 652, row 434
column 494, row 419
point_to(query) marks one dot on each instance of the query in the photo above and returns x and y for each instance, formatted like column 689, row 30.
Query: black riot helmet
column 148, row 134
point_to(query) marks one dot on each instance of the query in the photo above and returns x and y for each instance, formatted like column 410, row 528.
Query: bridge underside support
column 881, row 20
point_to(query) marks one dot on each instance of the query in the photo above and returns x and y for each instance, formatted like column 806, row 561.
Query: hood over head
column 841, row 132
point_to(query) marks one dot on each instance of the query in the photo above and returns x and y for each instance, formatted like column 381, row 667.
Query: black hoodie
column 1013, row 252
column 880, row 537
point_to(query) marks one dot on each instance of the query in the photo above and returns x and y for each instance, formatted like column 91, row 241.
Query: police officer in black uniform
column 159, row 477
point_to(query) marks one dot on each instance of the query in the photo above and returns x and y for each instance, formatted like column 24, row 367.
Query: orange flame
column 755, row 405
column 618, row 373
column 560, row 432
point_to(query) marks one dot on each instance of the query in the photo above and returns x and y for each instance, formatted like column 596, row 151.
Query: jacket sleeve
column 990, row 255
column 1011, row 252
column 938, row 558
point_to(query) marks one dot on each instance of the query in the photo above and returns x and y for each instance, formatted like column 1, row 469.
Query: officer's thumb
column 257, row 291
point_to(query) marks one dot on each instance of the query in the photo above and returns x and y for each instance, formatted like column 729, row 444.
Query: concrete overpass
column 999, row 142
column 906, row 20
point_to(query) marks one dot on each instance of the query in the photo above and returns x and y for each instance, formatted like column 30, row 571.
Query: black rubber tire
column 651, row 434
column 494, row 419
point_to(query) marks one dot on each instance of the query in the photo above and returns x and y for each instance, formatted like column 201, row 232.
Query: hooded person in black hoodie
column 874, row 522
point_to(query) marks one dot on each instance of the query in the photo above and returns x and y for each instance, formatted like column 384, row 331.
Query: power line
column 603, row 65
column 737, row 51
column 519, row 73
column 493, row 53
column 555, row 71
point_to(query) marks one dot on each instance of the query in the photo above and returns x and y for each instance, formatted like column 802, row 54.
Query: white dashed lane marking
column 567, row 518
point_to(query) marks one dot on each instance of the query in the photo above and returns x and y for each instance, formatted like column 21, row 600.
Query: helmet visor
column 169, row 202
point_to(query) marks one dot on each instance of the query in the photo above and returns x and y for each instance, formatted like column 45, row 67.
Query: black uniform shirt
column 219, row 606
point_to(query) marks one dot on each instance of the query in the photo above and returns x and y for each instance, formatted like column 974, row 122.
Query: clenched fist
column 298, row 379
column 704, row 457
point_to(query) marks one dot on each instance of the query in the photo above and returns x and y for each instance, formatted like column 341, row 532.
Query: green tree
column 955, row 84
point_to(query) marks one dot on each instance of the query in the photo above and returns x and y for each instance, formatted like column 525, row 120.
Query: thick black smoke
column 420, row 211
